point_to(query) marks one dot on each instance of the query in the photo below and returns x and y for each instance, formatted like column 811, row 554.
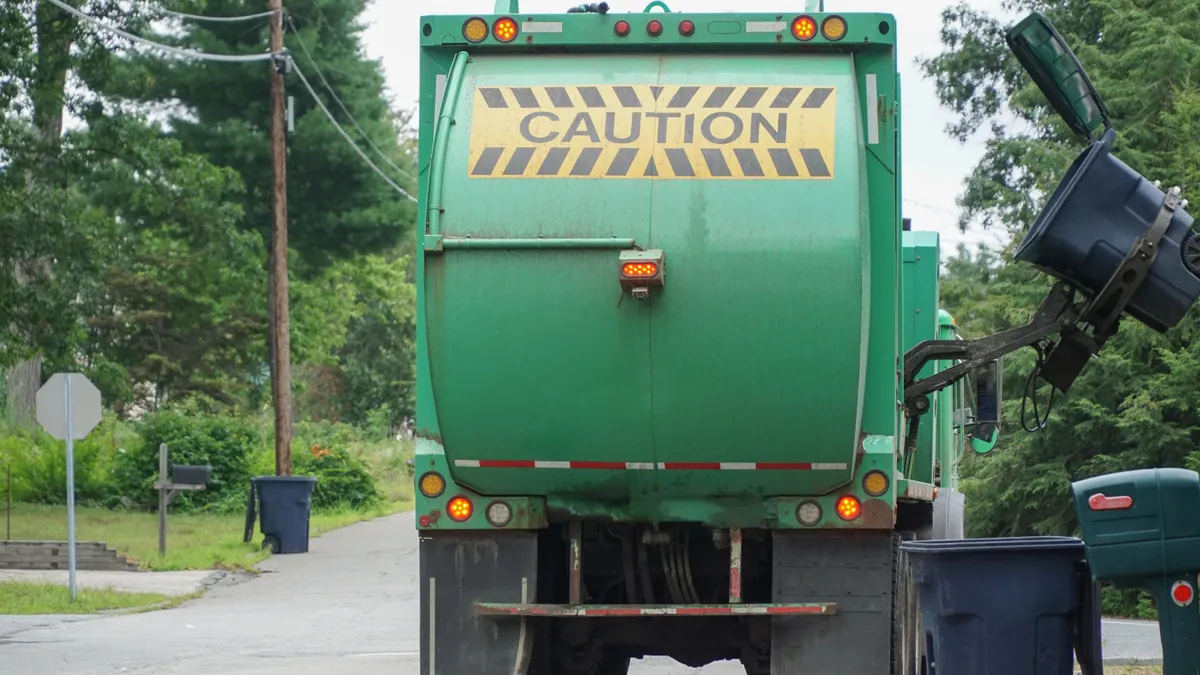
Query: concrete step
column 53, row 555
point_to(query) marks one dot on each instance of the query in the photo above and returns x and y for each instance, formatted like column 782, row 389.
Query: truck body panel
column 761, row 283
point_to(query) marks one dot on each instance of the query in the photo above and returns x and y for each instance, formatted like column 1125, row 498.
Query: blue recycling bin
column 1007, row 606
column 1090, row 224
column 285, row 504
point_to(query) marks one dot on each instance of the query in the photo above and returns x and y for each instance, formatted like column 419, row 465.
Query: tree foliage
column 135, row 205
column 1137, row 404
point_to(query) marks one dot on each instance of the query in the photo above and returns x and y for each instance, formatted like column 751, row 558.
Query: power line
column 149, row 43
column 334, row 122
column 216, row 19
column 341, row 105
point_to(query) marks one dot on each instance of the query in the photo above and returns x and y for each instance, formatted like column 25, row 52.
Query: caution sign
column 653, row 131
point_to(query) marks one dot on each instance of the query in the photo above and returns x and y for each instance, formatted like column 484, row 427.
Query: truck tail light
column 459, row 509
column 498, row 514
column 804, row 28
column 808, row 513
column 475, row 29
column 621, row 28
column 432, row 484
column 848, row 507
column 834, row 28
column 686, row 28
column 654, row 28
column 875, row 483
column 639, row 269
column 505, row 29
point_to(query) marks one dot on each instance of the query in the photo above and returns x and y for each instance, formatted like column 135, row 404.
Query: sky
column 934, row 164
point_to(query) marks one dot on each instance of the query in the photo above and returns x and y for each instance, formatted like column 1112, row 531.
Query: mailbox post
column 183, row 477
column 1140, row 530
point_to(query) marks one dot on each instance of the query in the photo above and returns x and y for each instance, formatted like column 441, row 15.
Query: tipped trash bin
column 284, row 505
column 1091, row 222
column 1007, row 606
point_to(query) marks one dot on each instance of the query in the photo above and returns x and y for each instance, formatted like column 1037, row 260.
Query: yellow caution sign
column 653, row 131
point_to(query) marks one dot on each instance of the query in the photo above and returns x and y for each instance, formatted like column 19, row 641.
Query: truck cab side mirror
column 1045, row 55
column 989, row 387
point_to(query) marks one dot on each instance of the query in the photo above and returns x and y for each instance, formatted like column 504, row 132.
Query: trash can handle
column 1088, row 647
column 250, row 515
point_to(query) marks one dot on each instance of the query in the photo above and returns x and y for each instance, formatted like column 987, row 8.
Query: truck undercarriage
column 587, row 598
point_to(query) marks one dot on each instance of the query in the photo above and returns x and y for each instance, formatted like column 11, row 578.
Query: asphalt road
column 348, row 606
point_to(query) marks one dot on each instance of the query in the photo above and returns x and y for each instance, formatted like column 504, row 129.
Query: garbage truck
column 684, row 381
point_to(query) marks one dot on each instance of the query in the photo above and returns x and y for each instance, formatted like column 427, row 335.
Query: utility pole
column 281, row 380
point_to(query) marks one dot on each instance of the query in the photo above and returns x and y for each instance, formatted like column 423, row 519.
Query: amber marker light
column 875, row 483
column 834, row 28
column 432, row 484
column 459, row 509
column 804, row 28
column 848, row 507
column 475, row 29
column 505, row 30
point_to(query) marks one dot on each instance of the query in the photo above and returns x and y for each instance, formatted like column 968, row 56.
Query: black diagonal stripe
column 683, row 97
column 553, row 161
column 586, row 162
column 493, row 98
column 621, row 163
column 715, row 159
column 748, row 159
column 814, row 162
column 751, row 97
column 591, row 97
column 680, row 164
column 518, row 162
column 559, row 97
column 651, row 167
column 718, row 97
column 656, row 91
column 817, row 98
column 785, row 97
column 628, row 97
column 784, row 166
column 486, row 163
column 525, row 97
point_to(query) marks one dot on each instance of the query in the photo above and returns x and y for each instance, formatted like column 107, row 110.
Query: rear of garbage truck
column 659, row 331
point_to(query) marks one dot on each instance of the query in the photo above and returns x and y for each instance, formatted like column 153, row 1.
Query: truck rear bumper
column 618, row 611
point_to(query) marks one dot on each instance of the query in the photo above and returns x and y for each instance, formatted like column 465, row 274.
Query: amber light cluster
column 639, row 269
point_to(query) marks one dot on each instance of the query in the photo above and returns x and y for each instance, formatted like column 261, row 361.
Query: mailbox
column 190, row 474
column 1141, row 530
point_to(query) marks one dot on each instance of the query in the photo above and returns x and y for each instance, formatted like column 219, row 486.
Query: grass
column 1133, row 670
column 21, row 597
column 194, row 542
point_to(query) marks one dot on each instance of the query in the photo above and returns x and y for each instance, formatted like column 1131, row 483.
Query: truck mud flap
column 854, row 570
column 460, row 569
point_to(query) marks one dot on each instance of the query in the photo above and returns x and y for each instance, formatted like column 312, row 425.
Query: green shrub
column 342, row 480
column 227, row 444
column 39, row 465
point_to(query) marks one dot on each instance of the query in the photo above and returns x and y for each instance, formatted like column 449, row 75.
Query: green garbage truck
column 684, row 382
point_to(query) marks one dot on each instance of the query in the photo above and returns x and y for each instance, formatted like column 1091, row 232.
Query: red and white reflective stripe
column 664, row 466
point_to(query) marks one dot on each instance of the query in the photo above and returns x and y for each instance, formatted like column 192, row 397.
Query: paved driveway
column 348, row 606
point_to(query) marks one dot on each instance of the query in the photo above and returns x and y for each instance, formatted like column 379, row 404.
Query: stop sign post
column 68, row 408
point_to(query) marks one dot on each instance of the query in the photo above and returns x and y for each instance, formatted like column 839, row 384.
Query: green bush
column 342, row 480
column 227, row 444
column 39, row 465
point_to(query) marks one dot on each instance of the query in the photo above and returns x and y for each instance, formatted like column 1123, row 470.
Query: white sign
column 52, row 405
